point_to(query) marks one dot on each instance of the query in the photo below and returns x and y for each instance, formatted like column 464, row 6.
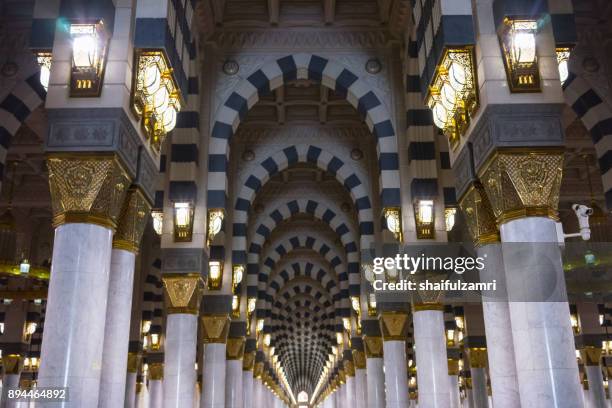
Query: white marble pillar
column 532, row 263
column 179, row 360
column 233, row 387
column 142, row 396
column 479, row 387
column 597, row 393
column 213, row 376
column 257, row 393
column 350, row 391
column 10, row 381
column 376, row 382
column 71, row 353
column 396, row 376
column 361, row 388
column 197, row 395
column 130, row 390
column 431, row 358
column 156, row 394
column 500, row 345
column 453, row 385
column 247, row 388
column 117, row 329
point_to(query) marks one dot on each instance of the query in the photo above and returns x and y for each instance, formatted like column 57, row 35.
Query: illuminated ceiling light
column 453, row 97
column 156, row 97
column 215, row 273
column 24, row 266
column 424, row 217
column 394, row 221
column 449, row 218
column 158, row 221
column 563, row 54
column 183, row 221
column 89, row 46
column 44, row 62
column 518, row 42
column 215, row 223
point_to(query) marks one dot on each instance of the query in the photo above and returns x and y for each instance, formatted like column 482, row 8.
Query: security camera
column 582, row 213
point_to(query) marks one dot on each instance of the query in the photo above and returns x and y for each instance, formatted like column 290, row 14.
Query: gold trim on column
column 13, row 364
column 420, row 307
column 133, row 360
column 523, row 182
column 453, row 366
column 258, row 370
column 479, row 215
column 359, row 359
column 393, row 325
column 349, row 368
column 477, row 357
column 373, row 346
column 248, row 361
column 132, row 221
column 591, row 355
column 86, row 189
column 156, row 371
column 182, row 292
column 215, row 328
column 234, row 349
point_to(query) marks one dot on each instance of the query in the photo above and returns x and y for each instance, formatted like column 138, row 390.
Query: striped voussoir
column 15, row 108
column 337, row 221
column 596, row 115
column 303, row 66
column 281, row 160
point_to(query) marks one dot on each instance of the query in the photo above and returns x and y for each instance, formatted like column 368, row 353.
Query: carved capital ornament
column 183, row 292
column 132, row 221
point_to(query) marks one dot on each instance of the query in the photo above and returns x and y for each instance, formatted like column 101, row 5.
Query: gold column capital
column 86, row 188
column 13, row 363
column 477, row 357
column 215, row 328
column 258, row 370
column 453, row 366
column 341, row 376
column 248, row 361
column 479, row 215
column 349, row 368
column 132, row 221
column 359, row 359
column 373, row 346
column 422, row 306
column 183, row 292
column 156, row 371
column 133, row 360
column 591, row 355
column 393, row 325
column 523, row 182
column 234, row 349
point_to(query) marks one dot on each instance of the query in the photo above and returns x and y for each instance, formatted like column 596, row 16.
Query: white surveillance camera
column 582, row 213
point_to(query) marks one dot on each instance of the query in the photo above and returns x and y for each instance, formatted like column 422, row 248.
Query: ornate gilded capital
column 156, row 371
column 87, row 189
column 13, row 364
column 234, row 349
column 422, row 306
column 341, row 376
column 215, row 328
column 479, row 215
column 248, row 361
column 394, row 325
column 359, row 359
column 373, row 346
column 183, row 292
column 523, row 182
column 591, row 355
column 453, row 366
column 132, row 221
column 258, row 370
column 477, row 357
column 349, row 368
column 133, row 362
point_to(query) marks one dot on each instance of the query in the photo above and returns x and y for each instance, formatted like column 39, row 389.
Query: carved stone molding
column 373, row 346
column 479, row 215
column 88, row 189
column 215, row 328
column 523, row 182
column 183, row 292
column 235, row 348
column 132, row 221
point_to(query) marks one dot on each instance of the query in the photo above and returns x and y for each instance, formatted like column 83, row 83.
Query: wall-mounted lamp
column 394, row 221
column 157, row 217
column 346, row 323
column 154, row 341
column 424, row 217
column 563, row 54
column 89, row 46
column 235, row 305
column 183, row 221
column 28, row 330
column 24, row 266
column 215, row 275
column 237, row 274
column 450, row 337
column 518, row 43
column 574, row 321
column 146, row 326
column 251, row 303
column 356, row 304
column 156, row 98
column 215, row 223
column 372, row 304
column 449, row 217
column 44, row 59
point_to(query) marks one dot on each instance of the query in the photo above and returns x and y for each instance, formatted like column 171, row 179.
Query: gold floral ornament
column 215, row 328
column 479, row 215
column 393, row 325
column 87, row 189
column 182, row 292
column 132, row 221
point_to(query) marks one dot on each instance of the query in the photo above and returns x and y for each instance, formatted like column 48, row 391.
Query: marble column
column 373, row 346
column 431, row 357
column 142, row 395
column 591, row 356
column 396, row 377
column 361, row 387
column 13, row 365
column 179, row 360
column 130, row 387
column 156, row 387
column 215, row 329
column 453, row 382
column 479, row 387
column 248, row 362
column 258, row 393
column 350, row 390
column 234, row 393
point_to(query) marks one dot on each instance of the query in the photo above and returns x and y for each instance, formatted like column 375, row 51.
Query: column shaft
column 479, row 387
column 596, row 390
column 361, row 388
column 376, row 382
column 233, row 387
column 350, row 391
column 396, row 377
column 179, row 360
column 130, row 390
column 213, row 376
column 453, row 384
column 247, row 388
column 156, row 394
column 9, row 381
